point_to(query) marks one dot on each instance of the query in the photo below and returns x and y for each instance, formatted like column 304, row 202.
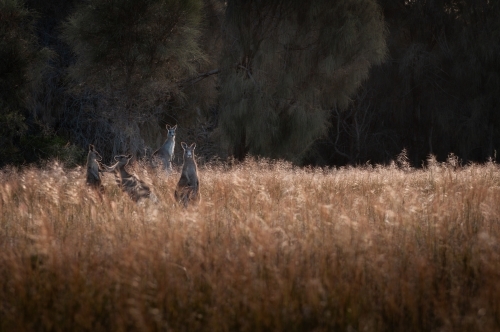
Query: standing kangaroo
column 188, row 187
column 93, row 169
column 166, row 151
column 129, row 183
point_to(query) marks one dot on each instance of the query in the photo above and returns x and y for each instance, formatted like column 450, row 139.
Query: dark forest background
column 315, row 82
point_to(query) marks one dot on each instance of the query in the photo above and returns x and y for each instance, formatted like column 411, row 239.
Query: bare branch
column 196, row 79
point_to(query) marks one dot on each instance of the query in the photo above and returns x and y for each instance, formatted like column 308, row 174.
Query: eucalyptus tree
column 132, row 54
column 22, row 63
column 438, row 94
column 287, row 64
column 475, row 69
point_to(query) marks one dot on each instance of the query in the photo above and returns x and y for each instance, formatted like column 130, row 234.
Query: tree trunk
column 240, row 148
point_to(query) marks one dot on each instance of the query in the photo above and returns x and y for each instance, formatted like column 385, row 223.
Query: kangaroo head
column 171, row 131
column 188, row 150
column 123, row 159
column 94, row 153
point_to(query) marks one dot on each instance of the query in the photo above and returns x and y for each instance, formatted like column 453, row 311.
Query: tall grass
column 270, row 247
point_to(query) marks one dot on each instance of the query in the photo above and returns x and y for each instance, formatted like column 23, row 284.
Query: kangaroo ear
column 116, row 158
column 174, row 127
column 167, row 126
column 129, row 156
column 193, row 146
column 184, row 145
column 91, row 147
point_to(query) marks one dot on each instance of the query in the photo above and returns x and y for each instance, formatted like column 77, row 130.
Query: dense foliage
column 132, row 56
column 437, row 93
column 21, row 66
column 318, row 82
column 286, row 64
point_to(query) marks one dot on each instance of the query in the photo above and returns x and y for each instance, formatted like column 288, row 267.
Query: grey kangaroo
column 166, row 151
column 188, row 187
column 94, row 168
column 129, row 183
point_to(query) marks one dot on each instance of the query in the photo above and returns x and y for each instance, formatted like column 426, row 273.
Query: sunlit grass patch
column 270, row 247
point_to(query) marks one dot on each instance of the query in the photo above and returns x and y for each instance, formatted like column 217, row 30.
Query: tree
column 286, row 64
column 22, row 62
column 439, row 92
column 475, row 69
column 132, row 54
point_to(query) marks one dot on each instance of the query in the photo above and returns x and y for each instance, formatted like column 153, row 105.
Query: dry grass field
column 270, row 247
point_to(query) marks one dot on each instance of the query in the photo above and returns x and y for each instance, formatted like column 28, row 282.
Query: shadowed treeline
column 316, row 83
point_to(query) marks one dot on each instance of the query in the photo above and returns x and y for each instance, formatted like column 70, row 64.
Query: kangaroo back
column 188, row 187
column 129, row 183
column 166, row 151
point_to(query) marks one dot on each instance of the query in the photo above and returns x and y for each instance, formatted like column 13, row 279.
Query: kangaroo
column 93, row 169
column 188, row 187
column 166, row 151
column 129, row 183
